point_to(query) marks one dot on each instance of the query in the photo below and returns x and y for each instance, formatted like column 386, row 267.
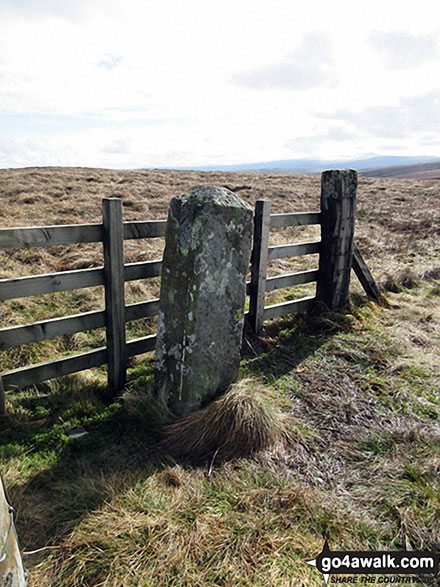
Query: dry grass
column 242, row 422
column 359, row 395
column 397, row 230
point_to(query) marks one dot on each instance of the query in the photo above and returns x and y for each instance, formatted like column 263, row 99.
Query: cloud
column 339, row 133
column 310, row 144
column 41, row 8
column 120, row 146
column 110, row 62
column 308, row 67
column 402, row 50
column 414, row 114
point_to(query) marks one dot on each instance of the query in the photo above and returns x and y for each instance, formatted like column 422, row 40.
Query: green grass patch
column 360, row 465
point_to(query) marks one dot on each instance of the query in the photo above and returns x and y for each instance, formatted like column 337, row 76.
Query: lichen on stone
column 203, row 291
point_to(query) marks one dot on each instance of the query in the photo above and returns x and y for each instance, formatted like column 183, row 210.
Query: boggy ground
column 360, row 393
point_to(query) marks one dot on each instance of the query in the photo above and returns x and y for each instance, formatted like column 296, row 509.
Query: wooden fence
column 112, row 232
column 338, row 253
column 262, row 253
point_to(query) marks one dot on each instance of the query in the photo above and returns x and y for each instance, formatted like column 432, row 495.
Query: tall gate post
column 114, row 292
column 11, row 565
column 338, row 205
column 259, row 264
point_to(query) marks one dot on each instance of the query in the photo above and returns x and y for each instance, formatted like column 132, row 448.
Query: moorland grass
column 359, row 394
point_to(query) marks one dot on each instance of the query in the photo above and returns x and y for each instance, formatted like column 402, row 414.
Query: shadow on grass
column 287, row 342
column 59, row 480
column 55, row 480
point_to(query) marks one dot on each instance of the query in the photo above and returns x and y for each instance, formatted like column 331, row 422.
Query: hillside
column 359, row 393
column 314, row 166
column 417, row 171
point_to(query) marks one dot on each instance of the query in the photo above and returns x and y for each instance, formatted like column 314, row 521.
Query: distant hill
column 313, row 166
column 416, row 171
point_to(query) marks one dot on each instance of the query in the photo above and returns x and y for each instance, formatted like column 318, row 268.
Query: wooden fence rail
column 262, row 253
column 338, row 253
column 69, row 234
column 112, row 232
column 112, row 276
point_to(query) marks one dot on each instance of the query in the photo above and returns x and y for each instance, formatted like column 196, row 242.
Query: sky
column 169, row 83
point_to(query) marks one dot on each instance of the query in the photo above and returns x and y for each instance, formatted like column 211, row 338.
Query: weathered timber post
column 259, row 264
column 364, row 274
column 338, row 205
column 2, row 398
column 202, row 297
column 114, row 292
column 11, row 566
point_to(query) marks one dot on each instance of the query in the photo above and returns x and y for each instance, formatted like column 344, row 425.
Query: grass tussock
column 404, row 279
column 242, row 422
column 141, row 405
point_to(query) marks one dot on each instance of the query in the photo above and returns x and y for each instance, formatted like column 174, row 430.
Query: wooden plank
column 141, row 310
column 22, row 287
column 364, row 275
column 68, row 234
column 114, row 292
column 45, row 329
column 257, row 287
column 36, row 331
column 296, row 219
column 338, row 204
column 300, row 305
column 142, row 270
column 49, row 236
column 2, row 398
column 50, row 370
column 294, row 250
column 141, row 345
column 148, row 229
column 291, row 279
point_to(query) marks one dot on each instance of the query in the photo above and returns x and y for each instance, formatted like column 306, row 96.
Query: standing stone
column 202, row 297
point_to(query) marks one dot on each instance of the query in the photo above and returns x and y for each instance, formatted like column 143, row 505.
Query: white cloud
column 38, row 9
column 121, row 146
column 413, row 114
column 308, row 67
column 110, row 61
column 140, row 82
column 403, row 50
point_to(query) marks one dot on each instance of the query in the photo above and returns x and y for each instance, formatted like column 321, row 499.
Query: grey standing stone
column 202, row 298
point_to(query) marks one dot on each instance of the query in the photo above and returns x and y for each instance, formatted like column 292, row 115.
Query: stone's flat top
column 215, row 194
column 342, row 171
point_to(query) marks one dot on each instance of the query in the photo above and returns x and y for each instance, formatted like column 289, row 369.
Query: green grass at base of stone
column 361, row 466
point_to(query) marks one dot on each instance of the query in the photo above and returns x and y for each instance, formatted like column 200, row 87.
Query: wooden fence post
column 11, row 565
column 338, row 205
column 259, row 264
column 114, row 292
column 2, row 398
column 364, row 274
